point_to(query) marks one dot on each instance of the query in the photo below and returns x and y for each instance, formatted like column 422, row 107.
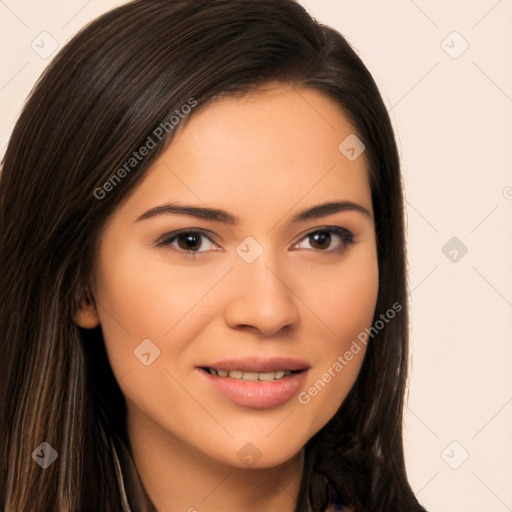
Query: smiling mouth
column 251, row 376
column 256, row 383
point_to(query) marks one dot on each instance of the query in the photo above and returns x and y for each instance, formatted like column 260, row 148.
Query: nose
column 262, row 298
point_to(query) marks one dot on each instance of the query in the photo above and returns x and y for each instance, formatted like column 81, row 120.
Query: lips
column 244, row 386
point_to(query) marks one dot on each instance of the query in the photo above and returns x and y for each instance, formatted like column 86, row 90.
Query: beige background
column 452, row 112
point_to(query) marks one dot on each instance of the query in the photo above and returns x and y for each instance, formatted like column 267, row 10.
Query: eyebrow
column 218, row 215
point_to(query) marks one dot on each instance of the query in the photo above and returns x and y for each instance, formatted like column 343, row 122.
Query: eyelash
column 346, row 236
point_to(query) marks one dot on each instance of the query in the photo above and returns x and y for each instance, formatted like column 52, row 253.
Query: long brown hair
column 103, row 95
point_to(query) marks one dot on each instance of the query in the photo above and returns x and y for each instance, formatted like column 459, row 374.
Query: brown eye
column 186, row 241
column 321, row 239
column 189, row 242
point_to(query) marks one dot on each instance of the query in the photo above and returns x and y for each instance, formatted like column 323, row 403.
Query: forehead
column 275, row 147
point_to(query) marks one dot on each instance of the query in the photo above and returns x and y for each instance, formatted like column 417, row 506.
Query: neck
column 179, row 478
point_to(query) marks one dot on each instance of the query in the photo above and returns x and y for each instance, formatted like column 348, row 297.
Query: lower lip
column 258, row 394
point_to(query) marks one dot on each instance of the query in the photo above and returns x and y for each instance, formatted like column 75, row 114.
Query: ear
column 85, row 314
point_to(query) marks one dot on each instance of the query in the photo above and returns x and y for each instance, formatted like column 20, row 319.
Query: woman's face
column 253, row 291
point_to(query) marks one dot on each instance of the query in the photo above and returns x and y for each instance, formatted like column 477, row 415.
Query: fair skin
column 263, row 158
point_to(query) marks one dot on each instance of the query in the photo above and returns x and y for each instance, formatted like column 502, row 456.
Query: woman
column 266, row 372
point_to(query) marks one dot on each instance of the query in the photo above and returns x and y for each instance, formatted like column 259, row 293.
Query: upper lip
column 258, row 364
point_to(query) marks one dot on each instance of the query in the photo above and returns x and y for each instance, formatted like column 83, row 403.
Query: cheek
column 346, row 302
column 133, row 305
column 346, row 308
column 354, row 306
column 140, row 298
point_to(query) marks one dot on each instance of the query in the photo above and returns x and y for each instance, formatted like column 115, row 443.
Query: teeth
column 251, row 376
column 267, row 376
